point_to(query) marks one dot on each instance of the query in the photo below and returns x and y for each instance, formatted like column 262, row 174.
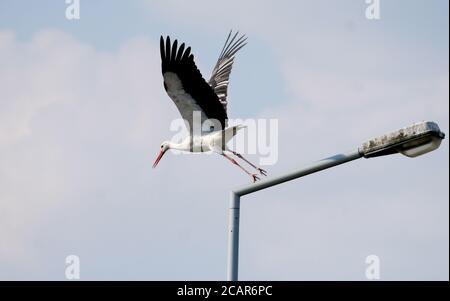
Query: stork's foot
column 262, row 171
column 255, row 178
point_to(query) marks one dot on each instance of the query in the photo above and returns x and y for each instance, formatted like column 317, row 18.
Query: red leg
column 254, row 177
column 262, row 171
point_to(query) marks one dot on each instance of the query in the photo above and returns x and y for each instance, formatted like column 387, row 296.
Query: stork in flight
column 200, row 102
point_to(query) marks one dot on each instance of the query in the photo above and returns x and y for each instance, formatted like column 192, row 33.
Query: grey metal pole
column 233, row 237
column 298, row 173
column 233, row 211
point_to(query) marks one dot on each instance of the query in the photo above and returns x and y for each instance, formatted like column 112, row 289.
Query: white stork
column 195, row 97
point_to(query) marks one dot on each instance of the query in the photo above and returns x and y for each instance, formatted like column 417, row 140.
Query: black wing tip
column 231, row 44
column 166, row 43
column 173, row 54
column 163, row 38
column 236, row 33
column 186, row 53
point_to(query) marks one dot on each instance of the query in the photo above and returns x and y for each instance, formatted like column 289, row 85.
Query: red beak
column 160, row 155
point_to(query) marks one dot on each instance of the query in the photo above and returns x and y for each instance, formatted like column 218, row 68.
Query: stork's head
column 164, row 147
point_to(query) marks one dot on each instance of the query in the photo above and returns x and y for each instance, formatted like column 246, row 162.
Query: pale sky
column 83, row 112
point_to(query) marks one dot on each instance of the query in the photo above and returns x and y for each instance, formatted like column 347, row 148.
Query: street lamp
column 412, row 141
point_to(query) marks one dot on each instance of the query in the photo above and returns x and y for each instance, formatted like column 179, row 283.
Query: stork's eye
column 162, row 146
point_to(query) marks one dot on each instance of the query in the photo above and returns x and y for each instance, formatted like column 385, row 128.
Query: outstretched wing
column 185, row 85
column 221, row 73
